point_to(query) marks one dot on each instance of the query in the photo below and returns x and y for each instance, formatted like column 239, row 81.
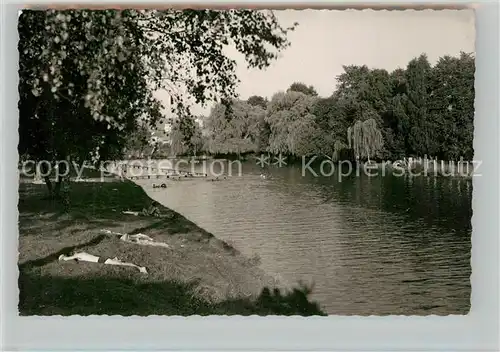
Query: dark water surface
column 370, row 245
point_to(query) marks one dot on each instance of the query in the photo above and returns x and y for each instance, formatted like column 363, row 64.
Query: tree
column 365, row 139
column 196, row 141
column 138, row 141
column 257, row 100
column 265, row 130
column 234, row 130
column 57, row 121
column 422, row 133
column 332, row 124
column 185, row 136
column 396, row 119
column 86, row 77
column 451, row 106
column 418, row 110
column 361, row 94
column 302, row 88
column 177, row 141
column 292, row 124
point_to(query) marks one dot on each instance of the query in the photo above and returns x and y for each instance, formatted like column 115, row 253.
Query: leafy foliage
column 452, row 108
column 372, row 113
column 257, row 100
column 365, row 138
column 185, row 136
column 138, row 142
column 292, row 123
column 236, row 130
column 302, row 88
column 87, row 77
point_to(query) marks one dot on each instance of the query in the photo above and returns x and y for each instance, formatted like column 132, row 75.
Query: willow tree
column 234, row 130
column 293, row 126
column 365, row 139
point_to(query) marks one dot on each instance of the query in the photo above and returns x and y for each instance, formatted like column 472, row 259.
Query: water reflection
column 371, row 245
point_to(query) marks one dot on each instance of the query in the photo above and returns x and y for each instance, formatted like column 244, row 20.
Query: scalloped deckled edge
column 474, row 259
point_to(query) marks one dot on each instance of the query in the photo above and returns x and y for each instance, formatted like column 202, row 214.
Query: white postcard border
column 478, row 331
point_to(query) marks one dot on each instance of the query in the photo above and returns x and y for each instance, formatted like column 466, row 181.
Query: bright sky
column 326, row 40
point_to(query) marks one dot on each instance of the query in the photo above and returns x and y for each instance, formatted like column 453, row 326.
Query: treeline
column 372, row 114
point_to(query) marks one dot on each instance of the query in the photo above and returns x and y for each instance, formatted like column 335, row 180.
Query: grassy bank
column 198, row 274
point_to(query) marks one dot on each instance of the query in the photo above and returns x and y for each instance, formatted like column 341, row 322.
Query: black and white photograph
column 180, row 162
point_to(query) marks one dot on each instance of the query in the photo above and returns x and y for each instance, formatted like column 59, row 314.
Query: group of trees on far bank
column 372, row 114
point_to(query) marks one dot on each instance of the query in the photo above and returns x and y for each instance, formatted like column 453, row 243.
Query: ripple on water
column 379, row 246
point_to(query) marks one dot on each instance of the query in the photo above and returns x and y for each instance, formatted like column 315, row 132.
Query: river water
column 369, row 245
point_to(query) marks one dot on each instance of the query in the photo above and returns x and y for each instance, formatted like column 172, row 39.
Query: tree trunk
column 56, row 193
column 46, row 178
column 49, row 184
column 154, row 151
column 54, row 189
